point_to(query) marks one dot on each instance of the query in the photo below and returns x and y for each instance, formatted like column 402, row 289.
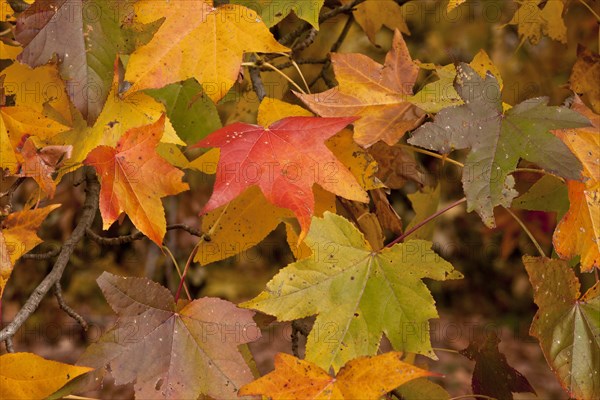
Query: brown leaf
column 172, row 351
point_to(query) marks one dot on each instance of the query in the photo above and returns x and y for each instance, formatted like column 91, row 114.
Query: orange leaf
column 578, row 233
column 362, row 378
column 377, row 93
column 41, row 163
column 134, row 179
column 285, row 160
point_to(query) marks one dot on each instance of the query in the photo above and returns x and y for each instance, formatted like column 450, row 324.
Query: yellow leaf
column 27, row 376
column 533, row 22
column 372, row 15
column 585, row 76
column 16, row 122
column 6, row 11
column 9, row 52
column 34, row 87
column 365, row 378
column 452, row 4
column 208, row 47
column 119, row 114
column 18, row 236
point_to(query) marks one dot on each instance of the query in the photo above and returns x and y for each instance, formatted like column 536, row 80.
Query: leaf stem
column 445, row 350
column 432, row 154
column 174, row 261
column 295, row 64
column 425, row 221
column 527, row 231
column 187, row 267
column 591, row 9
column 274, row 68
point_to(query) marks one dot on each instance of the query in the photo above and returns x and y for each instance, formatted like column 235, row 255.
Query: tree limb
column 90, row 207
column 119, row 240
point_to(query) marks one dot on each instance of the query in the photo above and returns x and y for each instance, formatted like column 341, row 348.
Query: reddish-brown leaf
column 172, row 351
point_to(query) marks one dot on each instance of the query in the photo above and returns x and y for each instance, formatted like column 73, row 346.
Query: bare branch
column 90, row 207
column 10, row 347
column 257, row 83
column 119, row 240
column 42, row 256
column 66, row 308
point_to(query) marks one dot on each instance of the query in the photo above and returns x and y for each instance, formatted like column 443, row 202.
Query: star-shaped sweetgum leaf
column 172, row 350
column 285, row 160
column 134, row 178
column 498, row 140
column 376, row 93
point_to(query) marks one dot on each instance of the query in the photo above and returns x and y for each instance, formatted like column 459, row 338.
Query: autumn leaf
column 15, row 123
column 6, row 11
column 372, row 15
column 285, row 160
column 174, row 351
column 422, row 388
column 425, row 203
column 273, row 11
column 366, row 378
column 566, row 324
column 18, row 236
column 396, row 165
column 498, row 140
column 209, row 47
column 437, row 95
column 26, row 376
column 586, row 75
column 376, row 93
column 50, row 88
column 9, row 52
column 578, row 233
column 251, row 217
column 493, row 376
column 192, row 114
column 548, row 194
column 532, row 21
column 357, row 294
column 121, row 112
column 86, row 43
column 134, row 178
column 41, row 163
column 452, row 4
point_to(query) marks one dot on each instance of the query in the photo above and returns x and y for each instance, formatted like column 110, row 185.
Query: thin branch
column 10, row 347
column 305, row 26
column 89, row 209
column 431, row 154
column 475, row 396
column 295, row 339
column 66, row 308
column 308, row 40
column 119, row 240
column 425, row 221
column 590, row 9
column 527, row 231
column 42, row 256
column 257, row 83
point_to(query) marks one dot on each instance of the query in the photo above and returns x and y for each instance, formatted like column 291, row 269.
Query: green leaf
column 358, row 294
column 85, row 35
column 499, row 140
column 192, row 114
column 422, row 388
column 425, row 203
column 548, row 194
column 567, row 325
column 273, row 11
